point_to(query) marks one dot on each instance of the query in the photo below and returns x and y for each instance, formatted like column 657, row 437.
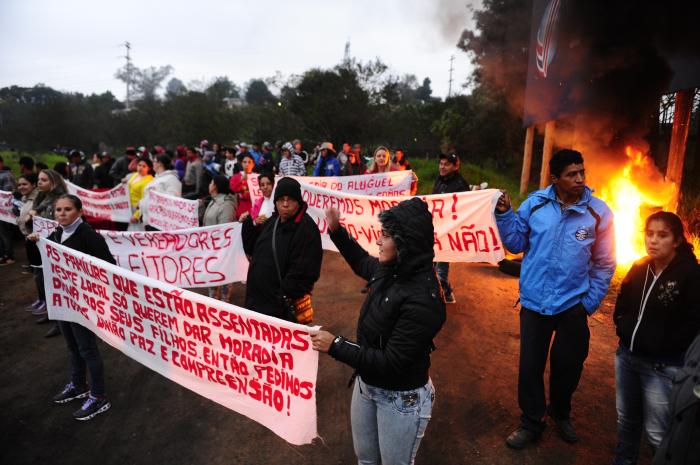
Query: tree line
column 352, row 101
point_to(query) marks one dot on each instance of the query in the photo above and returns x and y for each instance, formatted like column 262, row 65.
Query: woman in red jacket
column 239, row 185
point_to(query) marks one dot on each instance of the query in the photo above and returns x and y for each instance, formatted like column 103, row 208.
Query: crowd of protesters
column 566, row 236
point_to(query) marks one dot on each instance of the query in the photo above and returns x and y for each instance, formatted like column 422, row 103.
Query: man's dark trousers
column 568, row 352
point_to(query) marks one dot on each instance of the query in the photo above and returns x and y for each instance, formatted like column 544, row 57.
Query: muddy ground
column 154, row 420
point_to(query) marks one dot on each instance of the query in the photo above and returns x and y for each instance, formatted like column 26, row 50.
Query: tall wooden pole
column 679, row 138
column 527, row 159
column 547, row 152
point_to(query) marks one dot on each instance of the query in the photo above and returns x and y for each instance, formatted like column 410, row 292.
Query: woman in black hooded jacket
column 657, row 316
column 403, row 312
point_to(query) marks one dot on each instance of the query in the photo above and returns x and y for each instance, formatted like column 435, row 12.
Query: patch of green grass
column 427, row 171
column 11, row 159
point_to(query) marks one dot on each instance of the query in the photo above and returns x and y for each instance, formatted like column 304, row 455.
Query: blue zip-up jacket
column 569, row 256
column 331, row 167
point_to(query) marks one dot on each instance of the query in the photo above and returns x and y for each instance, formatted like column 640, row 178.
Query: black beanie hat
column 289, row 187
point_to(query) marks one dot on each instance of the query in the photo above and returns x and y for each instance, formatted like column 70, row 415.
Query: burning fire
column 633, row 193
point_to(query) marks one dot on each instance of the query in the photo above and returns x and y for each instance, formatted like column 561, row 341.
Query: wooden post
column 679, row 137
column 547, row 152
column 527, row 159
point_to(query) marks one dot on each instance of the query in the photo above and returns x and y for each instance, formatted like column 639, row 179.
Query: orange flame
column 631, row 194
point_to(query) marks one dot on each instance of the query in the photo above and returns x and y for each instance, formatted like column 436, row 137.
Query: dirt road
column 154, row 420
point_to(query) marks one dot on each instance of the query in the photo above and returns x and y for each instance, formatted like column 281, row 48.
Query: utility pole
column 449, row 89
column 128, row 75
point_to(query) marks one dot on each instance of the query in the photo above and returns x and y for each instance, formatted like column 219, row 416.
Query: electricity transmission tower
column 449, row 89
column 128, row 74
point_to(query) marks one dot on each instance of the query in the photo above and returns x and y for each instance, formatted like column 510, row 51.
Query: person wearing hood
column 291, row 164
column 165, row 181
column 568, row 239
column 327, row 164
column 657, row 316
column 403, row 312
column 285, row 255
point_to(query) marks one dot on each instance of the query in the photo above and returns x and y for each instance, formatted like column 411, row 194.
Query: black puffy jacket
column 404, row 308
column 681, row 444
column 666, row 326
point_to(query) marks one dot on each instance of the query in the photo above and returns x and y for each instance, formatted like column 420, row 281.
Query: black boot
column 521, row 438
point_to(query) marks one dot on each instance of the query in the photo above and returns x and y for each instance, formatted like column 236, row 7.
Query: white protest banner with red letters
column 464, row 222
column 391, row 184
column 197, row 257
column 43, row 227
column 256, row 365
column 112, row 205
column 6, row 213
column 169, row 213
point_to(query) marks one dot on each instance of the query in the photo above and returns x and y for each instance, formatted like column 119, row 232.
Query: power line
column 449, row 89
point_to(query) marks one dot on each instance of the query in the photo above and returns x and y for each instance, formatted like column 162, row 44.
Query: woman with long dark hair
column 404, row 310
column 51, row 186
column 657, row 316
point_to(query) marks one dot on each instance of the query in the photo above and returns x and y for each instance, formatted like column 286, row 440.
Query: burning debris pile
column 633, row 192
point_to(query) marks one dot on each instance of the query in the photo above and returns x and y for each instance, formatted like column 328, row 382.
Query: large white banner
column 465, row 225
column 391, row 184
column 197, row 257
column 169, row 213
column 6, row 213
column 112, row 205
column 259, row 366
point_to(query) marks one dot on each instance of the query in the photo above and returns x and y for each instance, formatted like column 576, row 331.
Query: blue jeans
column 82, row 345
column 643, row 390
column 387, row 426
column 442, row 269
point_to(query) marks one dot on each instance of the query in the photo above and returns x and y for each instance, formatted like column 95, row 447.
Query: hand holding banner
column 6, row 213
column 43, row 227
column 465, row 226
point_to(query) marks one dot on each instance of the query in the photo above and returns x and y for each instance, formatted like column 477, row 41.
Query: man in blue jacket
column 568, row 239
